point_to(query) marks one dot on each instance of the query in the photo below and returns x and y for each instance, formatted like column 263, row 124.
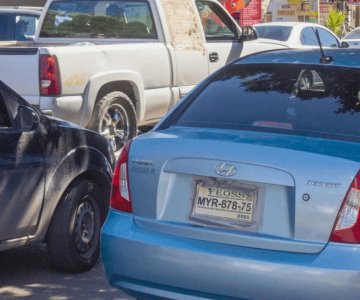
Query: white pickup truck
column 114, row 65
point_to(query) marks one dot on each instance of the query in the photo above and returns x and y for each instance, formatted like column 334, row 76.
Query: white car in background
column 297, row 34
column 353, row 38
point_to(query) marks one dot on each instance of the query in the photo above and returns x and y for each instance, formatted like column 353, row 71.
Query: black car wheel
column 73, row 236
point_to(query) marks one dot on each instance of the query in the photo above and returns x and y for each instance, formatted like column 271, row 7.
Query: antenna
column 324, row 59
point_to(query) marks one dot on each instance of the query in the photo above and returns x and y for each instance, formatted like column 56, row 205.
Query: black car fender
column 81, row 162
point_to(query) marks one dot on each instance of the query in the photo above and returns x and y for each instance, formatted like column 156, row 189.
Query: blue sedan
column 249, row 188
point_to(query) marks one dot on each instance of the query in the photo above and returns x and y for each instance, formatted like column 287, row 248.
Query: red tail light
column 49, row 76
column 120, row 193
column 347, row 227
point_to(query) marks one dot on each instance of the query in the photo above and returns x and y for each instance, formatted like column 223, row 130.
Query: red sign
column 251, row 14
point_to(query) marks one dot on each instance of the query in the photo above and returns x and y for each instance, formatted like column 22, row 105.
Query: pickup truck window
column 11, row 21
column 99, row 19
column 213, row 22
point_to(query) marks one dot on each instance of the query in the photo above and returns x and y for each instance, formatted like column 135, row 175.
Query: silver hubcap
column 114, row 125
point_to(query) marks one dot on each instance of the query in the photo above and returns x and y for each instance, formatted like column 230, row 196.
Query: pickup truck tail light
column 49, row 76
column 120, row 192
column 347, row 226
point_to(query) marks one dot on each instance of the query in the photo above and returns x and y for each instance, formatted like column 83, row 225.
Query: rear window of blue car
column 297, row 99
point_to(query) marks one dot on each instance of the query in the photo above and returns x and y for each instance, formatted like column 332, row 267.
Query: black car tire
column 73, row 237
column 114, row 117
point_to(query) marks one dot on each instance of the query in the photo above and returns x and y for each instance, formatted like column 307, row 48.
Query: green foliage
column 335, row 21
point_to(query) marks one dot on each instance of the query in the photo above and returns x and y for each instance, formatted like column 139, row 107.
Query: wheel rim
column 114, row 125
column 85, row 228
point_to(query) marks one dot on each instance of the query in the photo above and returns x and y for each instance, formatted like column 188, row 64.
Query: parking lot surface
column 25, row 274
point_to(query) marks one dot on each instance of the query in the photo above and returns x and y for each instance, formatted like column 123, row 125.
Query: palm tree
column 336, row 21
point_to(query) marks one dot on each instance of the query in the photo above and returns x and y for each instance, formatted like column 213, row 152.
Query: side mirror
column 344, row 45
column 242, row 38
column 248, row 34
column 27, row 119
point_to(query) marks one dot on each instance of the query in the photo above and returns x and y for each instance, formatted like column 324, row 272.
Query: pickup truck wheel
column 73, row 236
column 115, row 118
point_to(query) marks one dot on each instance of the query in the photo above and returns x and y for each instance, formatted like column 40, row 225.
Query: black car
column 55, row 180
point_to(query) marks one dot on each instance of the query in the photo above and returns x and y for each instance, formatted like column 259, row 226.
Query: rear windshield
column 280, row 33
column 296, row 99
column 99, row 19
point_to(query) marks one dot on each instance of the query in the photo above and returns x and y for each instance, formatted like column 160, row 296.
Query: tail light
column 120, row 193
column 347, row 226
column 49, row 76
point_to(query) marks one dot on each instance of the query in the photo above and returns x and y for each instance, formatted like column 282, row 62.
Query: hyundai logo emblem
column 225, row 170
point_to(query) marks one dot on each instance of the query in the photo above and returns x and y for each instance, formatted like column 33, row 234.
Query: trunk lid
column 290, row 187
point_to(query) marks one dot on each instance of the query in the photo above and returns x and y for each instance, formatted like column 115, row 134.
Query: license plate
column 231, row 204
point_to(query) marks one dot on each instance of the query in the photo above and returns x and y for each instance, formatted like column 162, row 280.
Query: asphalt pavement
column 25, row 274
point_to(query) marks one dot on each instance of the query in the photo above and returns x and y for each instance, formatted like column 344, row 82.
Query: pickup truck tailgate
column 20, row 70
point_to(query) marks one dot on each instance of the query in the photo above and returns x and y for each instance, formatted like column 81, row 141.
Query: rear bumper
column 180, row 268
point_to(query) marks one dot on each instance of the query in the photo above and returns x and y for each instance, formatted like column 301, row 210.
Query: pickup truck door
column 204, row 38
column 21, row 172
column 187, row 47
column 221, row 34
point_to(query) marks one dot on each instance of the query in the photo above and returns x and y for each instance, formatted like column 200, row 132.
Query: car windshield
column 280, row 33
column 295, row 99
column 353, row 35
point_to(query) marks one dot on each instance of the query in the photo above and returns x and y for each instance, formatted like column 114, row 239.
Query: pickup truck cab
column 114, row 65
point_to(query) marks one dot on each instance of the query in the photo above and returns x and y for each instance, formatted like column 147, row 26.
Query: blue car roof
column 340, row 57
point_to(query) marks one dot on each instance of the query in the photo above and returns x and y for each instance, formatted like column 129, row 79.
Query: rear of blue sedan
column 248, row 189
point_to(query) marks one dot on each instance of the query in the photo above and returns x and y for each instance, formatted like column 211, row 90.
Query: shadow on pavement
column 25, row 274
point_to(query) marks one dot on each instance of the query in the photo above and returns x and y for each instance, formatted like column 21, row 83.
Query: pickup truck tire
column 114, row 117
column 73, row 237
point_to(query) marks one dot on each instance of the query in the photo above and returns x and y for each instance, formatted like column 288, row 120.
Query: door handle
column 213, row 57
